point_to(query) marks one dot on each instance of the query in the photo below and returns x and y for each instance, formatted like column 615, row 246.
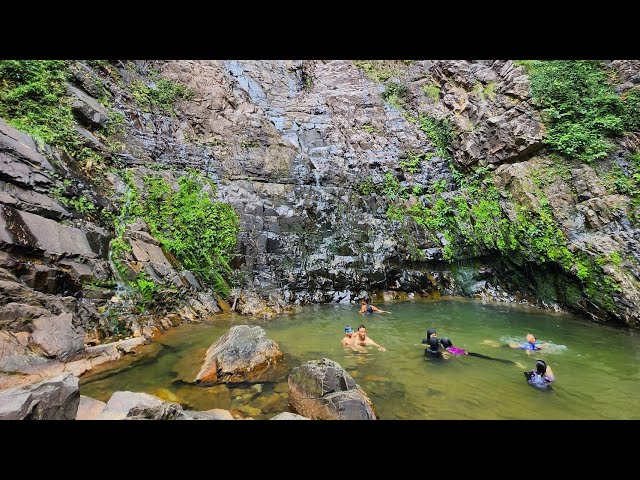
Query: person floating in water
column 531, row 344
column 448, row 346
column 541, row 376
column 348, row 335
column 361, row 339
column 367, row 308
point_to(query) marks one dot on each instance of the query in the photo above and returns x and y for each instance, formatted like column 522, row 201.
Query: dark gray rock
column 26, row 230
column 323, row 390
column 87, row 109
column 20, row 160
column 31, row 201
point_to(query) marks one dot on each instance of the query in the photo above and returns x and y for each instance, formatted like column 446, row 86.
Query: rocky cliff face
column 331, row 166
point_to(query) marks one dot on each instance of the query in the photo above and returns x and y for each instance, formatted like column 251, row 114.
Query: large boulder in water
column 56, row 398
column 243, row 354
column 323, row 390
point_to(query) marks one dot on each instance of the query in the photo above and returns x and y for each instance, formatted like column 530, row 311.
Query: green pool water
column 597, row 366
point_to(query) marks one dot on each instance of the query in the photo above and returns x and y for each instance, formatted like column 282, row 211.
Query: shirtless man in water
column 361, row 339
column 366, row 307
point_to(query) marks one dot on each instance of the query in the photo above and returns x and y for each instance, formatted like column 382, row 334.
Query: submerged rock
column 323, row 390
column 243, row 354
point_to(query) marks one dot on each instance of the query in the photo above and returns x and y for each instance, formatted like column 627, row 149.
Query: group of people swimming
column 443, row 349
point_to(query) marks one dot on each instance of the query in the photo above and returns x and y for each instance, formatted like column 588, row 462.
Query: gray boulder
column 56, row 398
column 243, row 354
column 56, row 336
column 87, row 109
column 323, row 390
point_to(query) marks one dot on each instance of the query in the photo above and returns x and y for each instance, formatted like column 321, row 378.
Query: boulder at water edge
column 323, row 390
column 243, row 354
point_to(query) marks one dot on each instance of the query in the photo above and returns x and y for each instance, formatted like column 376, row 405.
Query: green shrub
column 376, row 70
column 432, row 91
column 440, row 133
column 161, row 94
column 412, row 164
column 201, row 233
column 580, row 108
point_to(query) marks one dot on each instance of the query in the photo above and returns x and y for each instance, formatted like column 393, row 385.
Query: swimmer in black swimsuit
column 433, row 350
column 366, row 308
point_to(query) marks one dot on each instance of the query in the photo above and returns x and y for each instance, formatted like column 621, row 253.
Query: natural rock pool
column 597, row 367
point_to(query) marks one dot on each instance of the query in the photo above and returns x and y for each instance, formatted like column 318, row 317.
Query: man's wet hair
column 361, row 326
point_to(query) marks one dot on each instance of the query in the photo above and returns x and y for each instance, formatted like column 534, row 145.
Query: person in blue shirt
column 531, row 344
column 541, row 377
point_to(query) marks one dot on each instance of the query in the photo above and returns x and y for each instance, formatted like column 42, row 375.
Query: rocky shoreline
column 318, row 389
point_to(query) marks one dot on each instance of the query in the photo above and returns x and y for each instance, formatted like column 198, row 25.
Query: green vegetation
column 412, row 164
column 366, row 187
column 440, row 132
column 161, row 94
column 33, row 98
column 626, row 183
column 377, row 70
column 147, row 289
column 250, row 144
column 391, row 187
column 631, row 108
column 201, row 233
column 580, row 108
column 79, row 204
column 473, row 224
column 432, row 91
column 370, row 129
column 485, row 92
column 549, row 174
column 394, row 93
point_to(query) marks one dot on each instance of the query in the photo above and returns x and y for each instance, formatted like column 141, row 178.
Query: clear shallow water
column 597, row 367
